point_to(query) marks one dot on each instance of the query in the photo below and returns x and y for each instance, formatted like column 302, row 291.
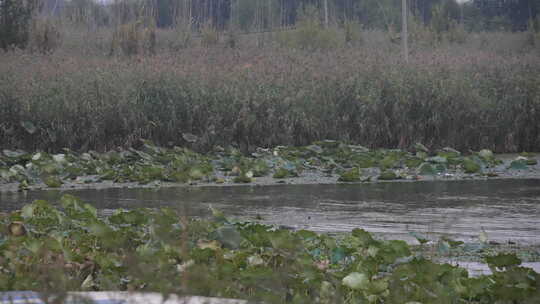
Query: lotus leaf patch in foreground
column 71, row 247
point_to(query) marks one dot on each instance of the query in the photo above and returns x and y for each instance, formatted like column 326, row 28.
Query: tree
column 508, row 14
column 15, row 17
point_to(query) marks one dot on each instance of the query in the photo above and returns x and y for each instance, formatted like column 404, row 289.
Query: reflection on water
column 506, row 209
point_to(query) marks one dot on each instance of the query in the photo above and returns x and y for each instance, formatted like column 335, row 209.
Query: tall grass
column 468, row 96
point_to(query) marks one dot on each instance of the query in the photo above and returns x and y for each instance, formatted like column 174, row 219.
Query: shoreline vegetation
column 321, row 162
column 68, row 247
column 252, row 97
column 98, row 76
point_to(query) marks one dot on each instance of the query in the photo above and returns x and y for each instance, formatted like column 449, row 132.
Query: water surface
column 505, row 209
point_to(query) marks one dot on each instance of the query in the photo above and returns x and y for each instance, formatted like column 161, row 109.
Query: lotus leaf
column 470, row 166
column 419, row 147
column 127, row 248
column 53, row 181
column 14, row 154
column 388, row 175
column 229, row 237
column 315, row 148
column 389, row 162
column 503, row 261
column 486, row 154
column 413, row 162
column 243, row 178
column 518, row 165
column 437, row 160
column 420, row 238
column 363, row 237
column 421, row 155
column 29, row 127
column 356, row 281
column 531, row 162
column 352, row 175
column 426, row 169
column 282, row 173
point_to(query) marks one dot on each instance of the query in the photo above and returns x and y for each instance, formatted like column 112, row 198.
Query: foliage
column 352, row 175
column 257, row 15
column 44, row 36
column 209, row 35
column 15, row 18
column 353, row 33
column 533, row 36
column 73, row 248
column 421, row 35
column 89, row 12
column 457, row 34
column 146, row 165
column 150, row 164
column 269, row 97
column 444, row 24
column 311, row 34
column 183, row 37
column 134, row 38
column 471, row 166
column 232, row 37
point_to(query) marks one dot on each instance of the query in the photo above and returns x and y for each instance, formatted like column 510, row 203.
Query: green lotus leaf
column 53, row 181
column 14, row 154
column 518, row 165
column 486, row 154
column 242, row 179
column 421, row 155
column 338, row 255
column 284, row 173
column 352, row 175
column 503, row 260
column 363, row 237
column 388, row 175
column 419, row 147
column 255, row 260
column 315, row 149
column 419, row 237
column 471, row 166
column 443, row 248
column 29, row 127
column 426, row 169
column 356, row 281
column 229, row 236
column 413, row 162
column 437, row 160
column 27, row 211
column 531, row 162
column 196, row 173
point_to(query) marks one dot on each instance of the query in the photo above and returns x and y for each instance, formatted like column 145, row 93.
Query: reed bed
column 468, row 96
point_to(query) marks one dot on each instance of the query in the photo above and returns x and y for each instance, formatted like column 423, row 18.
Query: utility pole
column 404, row 34
column 326, row 13
column 462, row 15
column 232, row 14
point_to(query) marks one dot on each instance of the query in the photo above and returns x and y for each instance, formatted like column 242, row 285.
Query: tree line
column 267, row 15
column 380, row 14
column 256, row 14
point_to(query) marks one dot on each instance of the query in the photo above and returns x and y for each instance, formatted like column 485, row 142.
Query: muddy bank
column 307, row 178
